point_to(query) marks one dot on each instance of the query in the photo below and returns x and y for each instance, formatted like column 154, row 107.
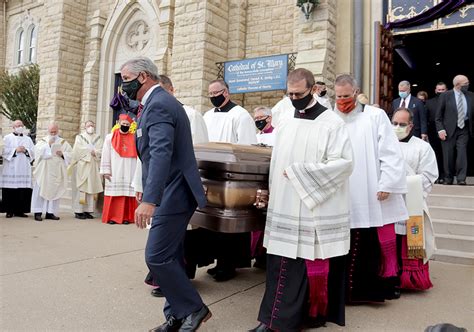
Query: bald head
column 461, row 82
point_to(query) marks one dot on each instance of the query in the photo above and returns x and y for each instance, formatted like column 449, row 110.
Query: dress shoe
column 51, row 216
column 224, row 275
column 110, row 222
column 125, row 222
column 81, row 216
column 193, row 321
column 448, row 182
column 461, row 183
column 440, row 181
column 261, row 328
column 156, row 292
column 88, row 215
column 38, row 217
column 172, row 324
column 212, row 271
column 9, row 215
column 21, row 215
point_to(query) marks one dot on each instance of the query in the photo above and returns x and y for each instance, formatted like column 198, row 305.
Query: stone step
column 453, row 227
column 454, row 201
column 455, row 242
column 441, row 189
column 452, row 213
column 453, row 256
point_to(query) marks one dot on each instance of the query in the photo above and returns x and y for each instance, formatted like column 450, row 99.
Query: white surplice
column 86, row 180
column 420, row 161
column 121, row 169
column 378, row 167
column 308, row 212
column 198, row 125
column 266, row 138
column 50, row 174
column 235, row 126
column 17, row 166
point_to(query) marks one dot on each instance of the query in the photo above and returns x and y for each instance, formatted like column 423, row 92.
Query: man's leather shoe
column 171, row 325
column 212, row 271
column 81, row 216
column 38, row 217
column 224, row 275
column 51, row 216
column 440, row 181
column 21, row 215
column 88, row 215
column 461, row 183
column 261, row 328
column 9, row 215
column 110, row 222
column 192, row 321
column 448, row 182
column 156, row 292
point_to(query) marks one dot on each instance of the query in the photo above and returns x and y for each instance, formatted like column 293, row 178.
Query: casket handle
column 205, row 189
column 261, row 199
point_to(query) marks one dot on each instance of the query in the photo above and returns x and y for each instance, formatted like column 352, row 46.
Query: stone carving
column 138, row 35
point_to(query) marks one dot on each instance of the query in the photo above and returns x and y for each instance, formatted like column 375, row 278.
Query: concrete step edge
column 452, row 222
column 451, row 208
column 453, row 196
column 455, row 237
column 454, row 253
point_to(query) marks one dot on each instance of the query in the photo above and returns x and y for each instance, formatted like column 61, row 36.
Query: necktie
column 140, row 108
column 460, row 107
column 404, row 105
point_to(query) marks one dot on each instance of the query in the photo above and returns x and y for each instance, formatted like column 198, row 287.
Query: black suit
column 172, row 182
column 420, row 116
column 455, row 145
column 435, row 142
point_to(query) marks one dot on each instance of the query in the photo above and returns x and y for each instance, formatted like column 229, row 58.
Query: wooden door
column 384, row 68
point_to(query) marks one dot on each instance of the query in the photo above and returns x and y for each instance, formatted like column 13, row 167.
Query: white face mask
column 401, row 132
column 19, row 130
column 90, row 130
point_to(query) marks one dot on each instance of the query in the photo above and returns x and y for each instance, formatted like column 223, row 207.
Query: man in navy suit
column 454, row 122
column 420, row 114
column 172, row 190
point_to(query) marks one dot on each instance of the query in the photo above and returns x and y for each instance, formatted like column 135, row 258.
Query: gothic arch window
column 32, row 40
column 20, row 47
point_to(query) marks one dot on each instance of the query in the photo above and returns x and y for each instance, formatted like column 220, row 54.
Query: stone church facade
column 79, row 46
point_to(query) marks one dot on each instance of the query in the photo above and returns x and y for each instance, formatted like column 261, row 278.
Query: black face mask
column 124, row 128
column 131, row 88
column 217, row 100
column 322, row 93
column 465, row 88
column 260, row 124
column 301, row 103
column 437, row 93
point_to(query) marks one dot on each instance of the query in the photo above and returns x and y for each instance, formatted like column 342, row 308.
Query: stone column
column 91, row 68
column 200, row 40
column 62, row 37
column 315, row 41
column 2, row 35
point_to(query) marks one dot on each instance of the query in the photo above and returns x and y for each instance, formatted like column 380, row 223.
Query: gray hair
column 344, row 79
column 404, row 83
column 265, row 110
column 142, row 64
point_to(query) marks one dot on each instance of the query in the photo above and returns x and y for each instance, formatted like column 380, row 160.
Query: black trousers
column 164, row 255
column 435, row 143
column 16, row 201
column 455, row 154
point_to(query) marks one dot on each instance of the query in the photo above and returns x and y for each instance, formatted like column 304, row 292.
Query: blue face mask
column 403, row 94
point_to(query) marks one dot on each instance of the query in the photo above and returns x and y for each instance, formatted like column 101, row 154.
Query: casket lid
column 233, row 157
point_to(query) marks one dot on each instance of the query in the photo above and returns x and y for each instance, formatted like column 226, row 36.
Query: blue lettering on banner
column 257, row 74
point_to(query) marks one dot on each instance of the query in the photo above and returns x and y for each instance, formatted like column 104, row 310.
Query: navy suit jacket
column 170, row 174
column 447, row 112
column 420, row 115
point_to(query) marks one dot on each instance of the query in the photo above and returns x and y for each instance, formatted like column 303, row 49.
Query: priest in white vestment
column 52, row 155
column 421, row 166
column 377, row 185
column 307, row 232
column 86, row 180
column 18, row 154
column 228, row 122
column 119, row 159
column 263, row 122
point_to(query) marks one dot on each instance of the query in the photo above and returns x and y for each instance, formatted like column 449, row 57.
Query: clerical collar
column 226, row 108
column 310, row 105
column 17, row 134
column 310, row 113
column 406, row 139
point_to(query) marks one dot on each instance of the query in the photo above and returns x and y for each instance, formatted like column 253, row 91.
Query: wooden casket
column 235, row 178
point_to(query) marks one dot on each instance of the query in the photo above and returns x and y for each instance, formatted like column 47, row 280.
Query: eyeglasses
column 297, row 95
column 216, row 93
column 401, row 124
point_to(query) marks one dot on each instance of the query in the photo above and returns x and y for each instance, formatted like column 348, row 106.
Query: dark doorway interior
column 426, row 58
